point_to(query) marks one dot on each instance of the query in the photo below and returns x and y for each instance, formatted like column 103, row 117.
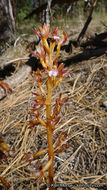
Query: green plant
column 21, row 15
column 45, row 51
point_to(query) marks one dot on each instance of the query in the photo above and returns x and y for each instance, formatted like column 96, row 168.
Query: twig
column 13, row 61
column 82, row 33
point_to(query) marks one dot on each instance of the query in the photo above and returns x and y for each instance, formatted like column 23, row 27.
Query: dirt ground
column 83, row 118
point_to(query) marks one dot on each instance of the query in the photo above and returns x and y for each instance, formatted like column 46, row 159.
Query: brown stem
column 50, row 153
column 49, row 131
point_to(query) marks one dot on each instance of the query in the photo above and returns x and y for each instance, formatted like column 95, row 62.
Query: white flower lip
column 60, row 40
column 43, row 32
column 56, row 38
column 53, row 73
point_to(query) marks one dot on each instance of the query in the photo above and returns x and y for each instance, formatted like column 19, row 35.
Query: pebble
column 105, row 104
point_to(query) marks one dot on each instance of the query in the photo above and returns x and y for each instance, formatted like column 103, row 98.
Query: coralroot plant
column 48, row 52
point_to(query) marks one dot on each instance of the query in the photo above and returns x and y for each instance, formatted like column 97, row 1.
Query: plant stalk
column 49, row 131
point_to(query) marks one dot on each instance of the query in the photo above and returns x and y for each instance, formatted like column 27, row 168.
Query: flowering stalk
column 47, row 55
column 49, row 128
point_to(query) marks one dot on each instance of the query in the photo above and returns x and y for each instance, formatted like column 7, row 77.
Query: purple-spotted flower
column 59, row 38
column 38, row 102
column 57, row 70
column 53, row 73
column 39, row 52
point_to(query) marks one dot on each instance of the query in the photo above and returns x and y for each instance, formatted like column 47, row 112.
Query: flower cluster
column 45, row 51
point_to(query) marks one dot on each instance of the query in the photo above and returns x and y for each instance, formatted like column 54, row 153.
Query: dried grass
column 82, row 118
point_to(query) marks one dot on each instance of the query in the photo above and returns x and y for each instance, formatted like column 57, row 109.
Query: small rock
column 105, row 104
